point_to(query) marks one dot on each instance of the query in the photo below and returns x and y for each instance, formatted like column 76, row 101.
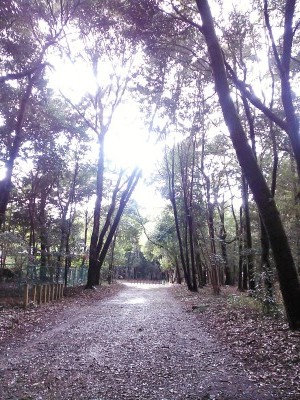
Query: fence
column 144, row 281
column 38, row 294
column 36, row 284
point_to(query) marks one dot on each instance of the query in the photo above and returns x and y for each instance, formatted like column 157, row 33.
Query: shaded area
column 139, row 344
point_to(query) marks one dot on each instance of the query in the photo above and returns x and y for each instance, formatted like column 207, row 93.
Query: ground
column 140, row 342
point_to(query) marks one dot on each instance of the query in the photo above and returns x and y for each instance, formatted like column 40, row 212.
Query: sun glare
column 128, row 143
column 2, row 173
column 74, row 80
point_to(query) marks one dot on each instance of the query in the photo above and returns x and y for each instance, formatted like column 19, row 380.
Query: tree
column 24, row 47
column 288, row 278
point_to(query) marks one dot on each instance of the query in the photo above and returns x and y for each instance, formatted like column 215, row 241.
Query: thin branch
column 19, row 75
column 186, row 19
column 80, row 113
column 269, row 28
column 243, row 87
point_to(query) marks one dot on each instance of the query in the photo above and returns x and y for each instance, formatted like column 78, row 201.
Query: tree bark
column 187, row 188
column 5, row 184
column 287, row 274
column 248, row 235
column 283, row 64
column 172, row 197
column 95, row 267
column 93, row 273
column 222, row 238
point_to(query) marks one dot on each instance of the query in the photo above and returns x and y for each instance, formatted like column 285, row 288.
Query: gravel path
column 139, row 344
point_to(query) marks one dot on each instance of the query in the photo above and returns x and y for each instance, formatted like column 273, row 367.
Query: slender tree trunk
column 187, row 188
column 199, row 268
column 283, row 62
column 62, row 246
column 222, row 238
column 287, row 274
column 110, row 275
column 132, row 182
column 32, row 234
column 86, row 226
column 297, row 212
column 95, row 267
column 67, row 259
column 177, row 271
column 172, row 197
column 248, row 235
column 44, row 247
column 268, row 300
column 266, row 266
column 5, row 184
column 93, row 271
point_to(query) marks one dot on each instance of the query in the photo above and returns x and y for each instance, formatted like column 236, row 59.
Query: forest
column 213, row 85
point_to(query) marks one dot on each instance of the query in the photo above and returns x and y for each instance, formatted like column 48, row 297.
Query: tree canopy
column 214, row 83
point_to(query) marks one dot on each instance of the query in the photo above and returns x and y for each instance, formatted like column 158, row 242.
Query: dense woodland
column 216, row 84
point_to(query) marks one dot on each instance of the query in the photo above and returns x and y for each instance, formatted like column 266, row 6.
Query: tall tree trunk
column 110, row 275
column 172, row 197
column 296, row 196
column 62, row 246
column 5, row 184
column 67, row 259
column 287, row 274
column 178, row 277
column 95, row 267
column 187, row 188
column 248, row 235
column 32, row 233
column 283, row 63
column 243, row 271
column 94, row 272
column 44, row 246
column 199, row 268
column 86, row 226
column 266, row 266
column 222, row 238
column 214, row 272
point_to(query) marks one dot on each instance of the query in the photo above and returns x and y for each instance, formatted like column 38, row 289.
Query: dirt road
column 140, row 344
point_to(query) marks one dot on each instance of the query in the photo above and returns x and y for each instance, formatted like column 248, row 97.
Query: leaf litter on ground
column 269, row 351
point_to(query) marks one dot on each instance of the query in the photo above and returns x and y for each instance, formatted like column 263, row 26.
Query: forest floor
column 155, row 342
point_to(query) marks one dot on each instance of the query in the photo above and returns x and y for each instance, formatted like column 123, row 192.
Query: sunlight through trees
column 166, row 131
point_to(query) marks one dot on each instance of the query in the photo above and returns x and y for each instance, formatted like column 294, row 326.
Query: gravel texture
column 140, row 343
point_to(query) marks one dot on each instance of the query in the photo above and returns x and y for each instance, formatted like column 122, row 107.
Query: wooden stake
column 49, row 293
column 45, row 293
column 40, row 292
column 26, row 293
column 34, row 294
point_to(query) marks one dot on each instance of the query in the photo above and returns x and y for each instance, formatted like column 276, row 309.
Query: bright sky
column 128, row 142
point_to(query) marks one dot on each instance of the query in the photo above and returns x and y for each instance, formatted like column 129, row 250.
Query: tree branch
column 243, row 87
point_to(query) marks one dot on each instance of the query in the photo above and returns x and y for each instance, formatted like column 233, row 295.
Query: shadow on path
column 140, row 344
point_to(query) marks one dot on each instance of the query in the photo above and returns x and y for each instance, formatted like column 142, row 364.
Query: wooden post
column 40, row 294
column 34, row 295
column 49, row 292
column 26, row 293
column 59, row 291
column 45, row 293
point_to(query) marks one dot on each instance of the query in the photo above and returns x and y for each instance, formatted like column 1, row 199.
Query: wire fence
column 37, row 284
